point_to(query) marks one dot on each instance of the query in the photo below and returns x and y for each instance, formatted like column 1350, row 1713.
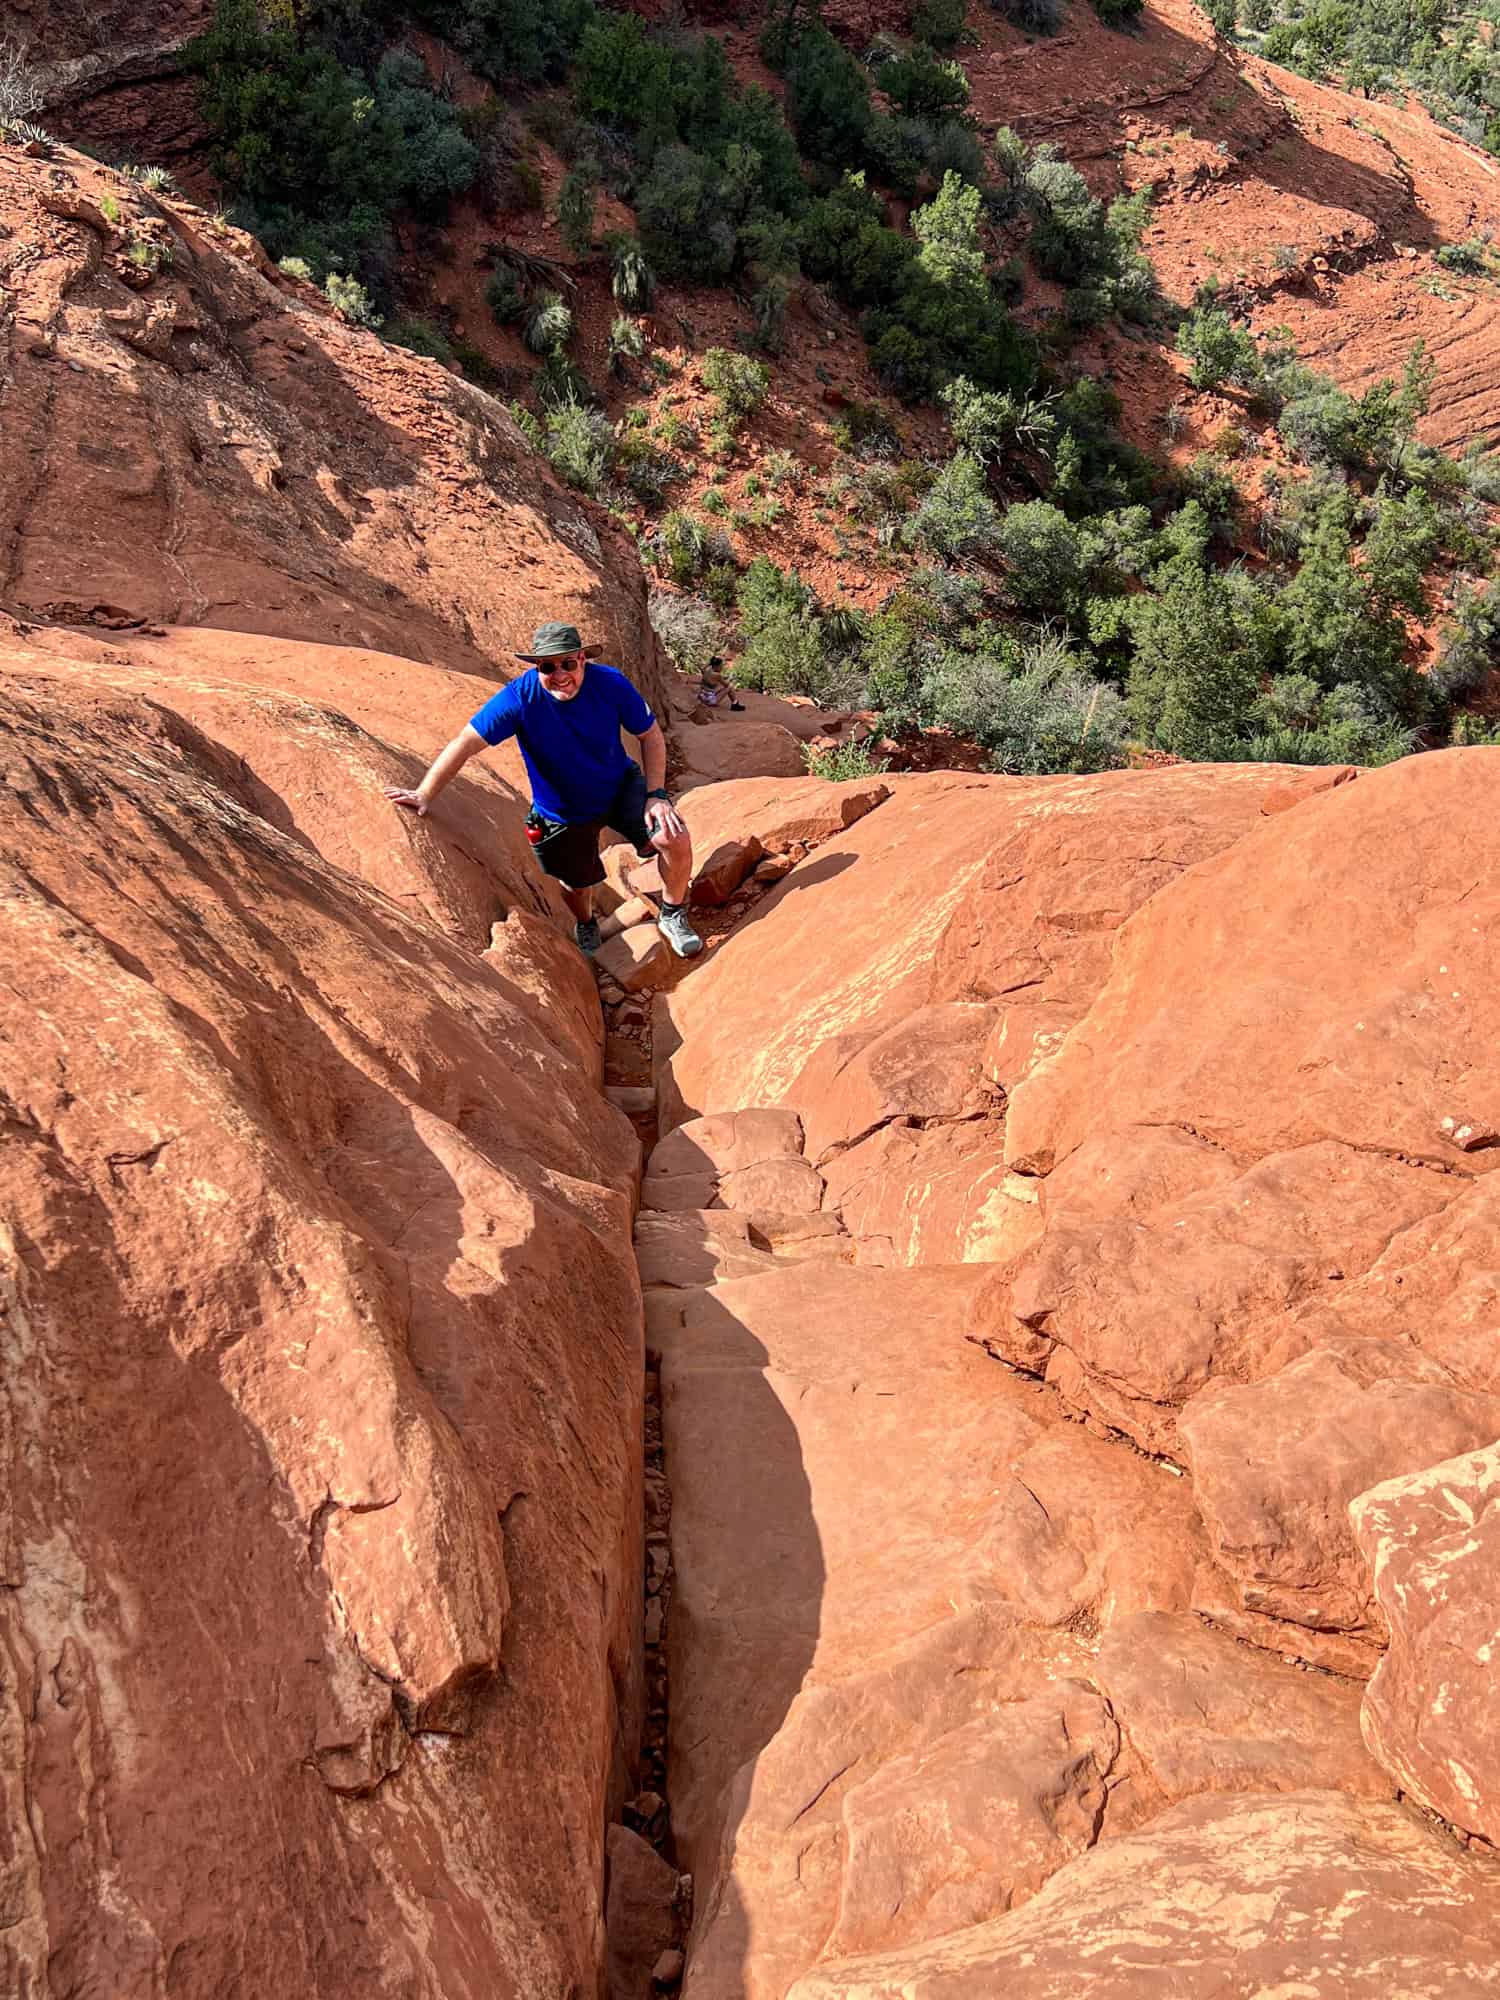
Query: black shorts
column 569, row 849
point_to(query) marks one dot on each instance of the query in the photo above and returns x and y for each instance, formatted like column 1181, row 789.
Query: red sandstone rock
column 640, row 1913
column 1276, row 1463
column 724, row 1142
column 697, row 1247
column 1285, row 1028
column 957, row 887
column 306, row 1208
column 928, row 1066
column 1207, row 1715
column 785, row 1184
column 973, row 1824
column 638, row 959
column 1432, row 1540
column 1341, row 1899
column 325, row 486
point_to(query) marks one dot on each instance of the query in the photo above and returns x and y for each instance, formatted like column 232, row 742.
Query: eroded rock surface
column 305, row 1200
column 1033, row 1562
column 221, row 449
column 1432, row 1541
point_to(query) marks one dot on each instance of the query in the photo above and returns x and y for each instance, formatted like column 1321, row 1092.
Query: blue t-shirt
column 571, row 749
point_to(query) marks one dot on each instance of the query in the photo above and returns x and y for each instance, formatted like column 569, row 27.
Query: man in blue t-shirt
column 567, row 714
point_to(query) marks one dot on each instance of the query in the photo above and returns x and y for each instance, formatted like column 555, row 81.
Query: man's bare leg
column 579, row 901
column 675, row 861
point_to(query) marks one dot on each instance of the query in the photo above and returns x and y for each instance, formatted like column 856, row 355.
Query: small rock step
column 746, row 1160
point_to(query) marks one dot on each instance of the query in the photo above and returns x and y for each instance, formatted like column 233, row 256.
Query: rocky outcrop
column 1432, row 1541
column 212, row 445
column 1020, row 1624
column 321, row 1619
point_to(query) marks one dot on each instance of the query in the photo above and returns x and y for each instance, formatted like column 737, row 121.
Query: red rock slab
column 1136, row 1309
column 1084, row 1530
column 735, row 746
column 679, row 1194
column 305, row 1214
column 697, row 1247
column 786, row 1184
column 1432, row 1541
column 725, row 1141
column 780, row 1395
column 973, row 1824
column 1292, row 791
column 1207, row 1714
column 332, row 489
column 1304, row 1894
column 1276, row 1463
column 927, row 1066
column 778, row 814
column 639, row 959
column 1434, row 1287
column 938, row 1194
column 719, row 871
column 957, row 887
column 1335, row 973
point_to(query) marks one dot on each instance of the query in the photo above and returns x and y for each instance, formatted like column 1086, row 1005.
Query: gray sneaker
column 586, row 936
column 678, row 932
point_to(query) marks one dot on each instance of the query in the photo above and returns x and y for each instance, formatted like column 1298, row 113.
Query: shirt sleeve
column 630, row 704
column 500, row 717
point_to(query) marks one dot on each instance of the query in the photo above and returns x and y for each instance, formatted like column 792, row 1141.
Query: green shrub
column 626, row 342
column 1042, row 552
column 1470, row 258
column 687, row 627
column 1339, row 630
column 420, row 336
column 737, row 383
column 939, row 23
column 579, row 446
column 947, row 228
column 1469, row 645
column 922, row 85
column 296, row 267
column 575, row 207
column 685, row 547
column 643, row 470
column 957, row 518
column 349, row 297
column 505, row 298
column 1219, row 351
column 844, row 762
column 785, row 653
column 828, row 98
column 1035, row 708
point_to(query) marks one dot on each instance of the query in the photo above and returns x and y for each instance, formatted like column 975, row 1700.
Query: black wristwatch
column 661, row 792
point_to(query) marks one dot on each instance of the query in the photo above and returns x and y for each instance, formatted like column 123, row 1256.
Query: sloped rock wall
column 322, row 1398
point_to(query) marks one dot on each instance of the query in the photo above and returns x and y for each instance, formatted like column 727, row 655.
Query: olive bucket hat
column 552, row 639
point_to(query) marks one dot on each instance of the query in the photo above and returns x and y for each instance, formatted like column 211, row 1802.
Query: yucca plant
column 631, row 280
column 626, row 343
column 549, row 324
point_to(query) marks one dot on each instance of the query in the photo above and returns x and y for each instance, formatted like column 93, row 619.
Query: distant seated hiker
column 567, row 713
column 715, row 687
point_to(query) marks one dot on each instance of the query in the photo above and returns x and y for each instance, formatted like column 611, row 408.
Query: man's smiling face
column 562, row 676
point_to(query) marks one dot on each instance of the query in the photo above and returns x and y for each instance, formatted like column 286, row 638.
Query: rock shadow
column 747, row 1604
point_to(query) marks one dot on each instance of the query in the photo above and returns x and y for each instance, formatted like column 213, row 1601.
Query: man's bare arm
column 654, row 757
column 444, row 768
